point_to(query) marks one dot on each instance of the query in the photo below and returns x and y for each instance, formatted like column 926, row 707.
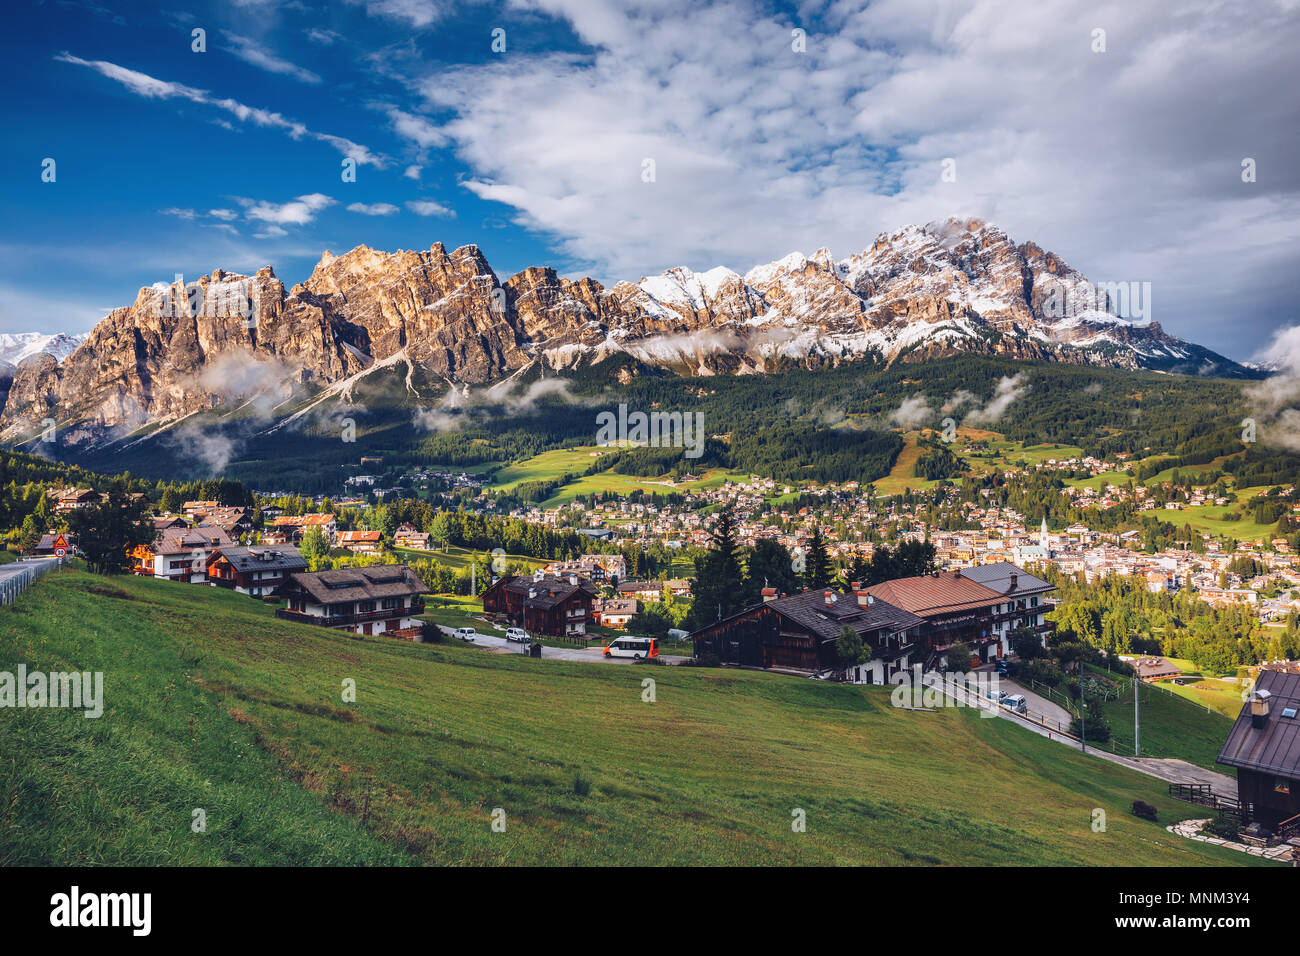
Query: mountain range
column 921, row 292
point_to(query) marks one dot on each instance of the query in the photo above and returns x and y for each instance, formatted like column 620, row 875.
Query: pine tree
column 719, row 585
column 818, row 563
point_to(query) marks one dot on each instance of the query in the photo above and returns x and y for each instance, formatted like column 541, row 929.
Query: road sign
column 59, row 552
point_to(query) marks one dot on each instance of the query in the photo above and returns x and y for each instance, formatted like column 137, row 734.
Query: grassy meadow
column 213, row 703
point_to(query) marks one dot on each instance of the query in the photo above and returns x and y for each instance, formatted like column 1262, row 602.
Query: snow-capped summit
column 16, row 346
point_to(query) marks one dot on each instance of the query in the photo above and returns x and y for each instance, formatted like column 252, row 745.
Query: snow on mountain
column 16, row 346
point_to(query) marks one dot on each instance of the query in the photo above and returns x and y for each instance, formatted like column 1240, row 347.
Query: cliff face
column 919, row 292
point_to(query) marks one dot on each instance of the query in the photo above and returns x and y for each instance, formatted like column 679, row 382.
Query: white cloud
column 295, row 212
column 417, row 129
column 415, row 13
column 147, row 86
column 374, row 209
column 912, row 413
column 759, row 150
column 427, row 207
column 323, row 37
column 412, row 172
column 1009, row 389
column 250, row 51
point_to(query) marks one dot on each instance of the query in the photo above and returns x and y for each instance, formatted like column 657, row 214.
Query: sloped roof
column 547, row 592
column 930, row 595
column 1275, row 747
column 184, row 540
column 359, row 584
column 998, row 577
column 810, row 610
column 250, row 559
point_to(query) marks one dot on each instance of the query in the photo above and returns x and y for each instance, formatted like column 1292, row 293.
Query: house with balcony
column 257, row 571
column 180, row 554
column 801, row 632
column 381, row 599
column 1025, row 602
column 543, row 603
column 361, row 542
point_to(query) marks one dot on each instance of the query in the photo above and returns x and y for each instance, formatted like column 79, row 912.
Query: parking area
column 588, row 655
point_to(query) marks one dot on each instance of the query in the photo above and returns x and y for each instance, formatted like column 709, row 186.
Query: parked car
column 517, row 635
column 465, row 633
column 1015, row 703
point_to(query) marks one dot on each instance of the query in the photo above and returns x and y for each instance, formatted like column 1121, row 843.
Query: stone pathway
column 1191, row 829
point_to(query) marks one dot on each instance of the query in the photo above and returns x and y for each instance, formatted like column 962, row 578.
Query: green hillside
column 213, row 703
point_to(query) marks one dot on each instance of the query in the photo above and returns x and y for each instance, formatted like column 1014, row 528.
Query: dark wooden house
column 380, row 599
column 1264, row 747
column 257, row 571
column 800, row 632
column 559, row 606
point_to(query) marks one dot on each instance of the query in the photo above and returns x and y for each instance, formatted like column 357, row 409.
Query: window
column 391, row 602
column 1289, row 712
column 1281, row 785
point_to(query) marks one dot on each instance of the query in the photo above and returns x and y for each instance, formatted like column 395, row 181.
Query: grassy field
column 1172, row 726
column 457, row 558
column 213, row 703
column 901, row 477
column 1221, row 697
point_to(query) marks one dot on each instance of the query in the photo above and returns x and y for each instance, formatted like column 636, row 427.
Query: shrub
column 705, row 659
column 1144, row 810
column 1098, row 730
column 581, row 785
column 1222, row 828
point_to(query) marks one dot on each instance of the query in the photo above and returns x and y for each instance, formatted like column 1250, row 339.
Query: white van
column 637, row 648
column 516, row 635
column 1015, row 703
column 465, row 633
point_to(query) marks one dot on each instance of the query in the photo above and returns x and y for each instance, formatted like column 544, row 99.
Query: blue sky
column 1125, row 161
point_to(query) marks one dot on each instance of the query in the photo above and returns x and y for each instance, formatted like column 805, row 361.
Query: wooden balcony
column 348, row 620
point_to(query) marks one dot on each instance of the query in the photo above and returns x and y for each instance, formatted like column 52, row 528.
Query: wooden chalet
column 51, row 544
column 70, row 499
column 543, row 603
column 1264, row 747
column 1151, row 669
column 409, row 536
column 180, row 554
column 289, row 529
column 959, row 610
column 800, row 632
column 361, row 542
column 381, row 599
column 614, row 612
column 257, row 571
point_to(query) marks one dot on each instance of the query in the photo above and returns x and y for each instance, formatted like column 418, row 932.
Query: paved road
column 1056, row 715
column 1170, row 771
column 588, row 655
column 16, row 568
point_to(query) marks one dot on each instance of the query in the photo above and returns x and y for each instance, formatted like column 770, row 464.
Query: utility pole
column 1137, row 720
column 1083, row 720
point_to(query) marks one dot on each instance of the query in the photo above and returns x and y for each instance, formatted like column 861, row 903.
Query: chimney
column 573, row 579
column 1014, row 578
column 865, row 599
column 855, row 585
column 1259, row 709
column 829, row 597
column 769, row 594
